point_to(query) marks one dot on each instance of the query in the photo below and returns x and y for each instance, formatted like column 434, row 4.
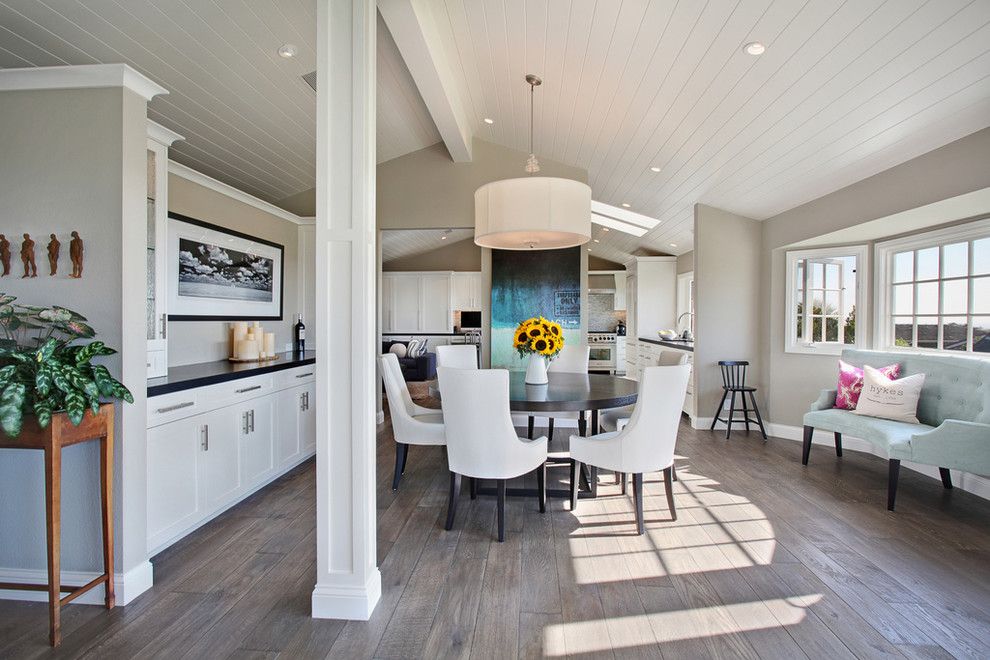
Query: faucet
column 687, row 334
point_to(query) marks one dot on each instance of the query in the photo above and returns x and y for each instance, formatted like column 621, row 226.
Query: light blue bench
column 954, row 411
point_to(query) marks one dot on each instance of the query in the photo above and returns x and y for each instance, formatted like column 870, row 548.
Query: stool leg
column 106, row 505
column 732, row 413
column 53, row 511
column 759, row 420
column 718, row 411
column 745, row 412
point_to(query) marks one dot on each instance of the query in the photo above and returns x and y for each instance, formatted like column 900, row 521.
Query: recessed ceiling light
column 625, row 205
column 287, row 51
column 754, row 48
column 654, row 169
column 605, row 229
column 489, row 121
column 673, row 245
column 589, row 249
column 597, row 241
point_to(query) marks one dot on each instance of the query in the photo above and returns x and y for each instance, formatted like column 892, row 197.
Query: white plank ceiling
column 399, row 243
column 844, row 90
column 248, row 117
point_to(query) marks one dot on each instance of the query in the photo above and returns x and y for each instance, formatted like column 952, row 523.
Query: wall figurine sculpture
column 76, row 254
column 5, row 255
column 27, row 257
column 53, row 248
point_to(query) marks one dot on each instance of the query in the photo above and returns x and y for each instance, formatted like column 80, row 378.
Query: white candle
column 247, row 349
column 269, row 344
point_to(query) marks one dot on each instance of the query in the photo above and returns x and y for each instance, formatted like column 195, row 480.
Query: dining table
column 565, row 392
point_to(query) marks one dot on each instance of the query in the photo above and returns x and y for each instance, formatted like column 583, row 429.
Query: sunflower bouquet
column 538, row 336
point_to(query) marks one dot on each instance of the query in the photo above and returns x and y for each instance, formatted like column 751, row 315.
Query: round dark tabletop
column 567, row 392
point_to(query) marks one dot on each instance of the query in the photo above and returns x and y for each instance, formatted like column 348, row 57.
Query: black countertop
column 681, row 344
column 189, row 376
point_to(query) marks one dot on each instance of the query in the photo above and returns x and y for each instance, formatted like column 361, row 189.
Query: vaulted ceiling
column 845, row 89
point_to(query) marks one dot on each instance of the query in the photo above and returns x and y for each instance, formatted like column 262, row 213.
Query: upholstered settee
column 954, row 411
column 422, row 367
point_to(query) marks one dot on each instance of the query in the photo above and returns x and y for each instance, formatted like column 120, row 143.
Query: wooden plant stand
column 61, row 433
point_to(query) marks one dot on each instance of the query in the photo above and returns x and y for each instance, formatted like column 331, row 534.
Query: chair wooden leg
column 401, row 449
column 541, row 485
column 617, row 478
column 455, row 489
column 946, row 477
column 106, row 507
column 624, row 481
column 53, row 511
column 575, row 477
column 594, row 423
column 732, row 413
column 529, row 428
column 809, row 431
column 759, row 418
column 745, row 406
column 473, row 485
column 582, row 424
column 894, row 468
column 500, row 509
column 838, row 444
column 668, row 484
column 593, row 480
column 718, row 411
column 638, row 498
column 673, row 471
column 550, row 431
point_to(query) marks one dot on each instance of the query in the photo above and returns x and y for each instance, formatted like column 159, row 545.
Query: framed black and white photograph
column 217, row 274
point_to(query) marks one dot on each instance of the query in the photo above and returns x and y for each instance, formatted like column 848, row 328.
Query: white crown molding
column 162, row 135
column 218, row 186
column 80, row 77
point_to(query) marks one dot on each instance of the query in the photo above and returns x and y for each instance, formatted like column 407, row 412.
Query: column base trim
column 347, row 602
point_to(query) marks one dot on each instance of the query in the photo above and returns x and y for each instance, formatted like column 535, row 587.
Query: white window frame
column 792, row 344
column 884, row 264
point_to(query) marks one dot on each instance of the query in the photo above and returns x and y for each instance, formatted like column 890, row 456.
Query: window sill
column 820, row 349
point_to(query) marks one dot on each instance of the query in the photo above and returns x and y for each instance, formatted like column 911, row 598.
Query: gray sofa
column 954, row 411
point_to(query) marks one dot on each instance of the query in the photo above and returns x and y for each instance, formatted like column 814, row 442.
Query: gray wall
column 685, row 262
column 203, row 341
column 727, row 292
column 75, row 160
column 794, row 379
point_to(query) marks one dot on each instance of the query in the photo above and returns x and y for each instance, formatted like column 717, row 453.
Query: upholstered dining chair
column 646, row 443
column 616, row 418
column 458, row 356
column 481, row 441
column 572, row 359
column 412, row 424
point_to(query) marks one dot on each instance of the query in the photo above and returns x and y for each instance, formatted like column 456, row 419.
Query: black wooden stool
column 733, row 382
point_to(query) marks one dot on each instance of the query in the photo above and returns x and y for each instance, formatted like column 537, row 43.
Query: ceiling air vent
column 310, row 79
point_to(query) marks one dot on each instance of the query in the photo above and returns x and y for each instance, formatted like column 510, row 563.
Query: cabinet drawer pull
column 248, row 389
column 245, row 425
column 206, row 437
column 177, row 406
column 252, row 421
column 304, row 375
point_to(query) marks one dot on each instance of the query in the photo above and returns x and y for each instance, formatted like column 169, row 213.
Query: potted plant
column 46, row 366
column 542, row 340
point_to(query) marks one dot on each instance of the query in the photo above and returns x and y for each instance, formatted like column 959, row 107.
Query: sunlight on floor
column 715, row 530
column 585, row 637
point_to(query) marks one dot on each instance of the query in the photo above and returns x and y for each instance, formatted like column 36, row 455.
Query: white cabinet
column 159, row 140
column 465, row 291
column 416, row 302
column 620, row 291
column 210, row 447
column 654, row 287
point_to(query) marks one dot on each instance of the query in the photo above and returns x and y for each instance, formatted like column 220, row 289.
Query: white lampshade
column 532, row 213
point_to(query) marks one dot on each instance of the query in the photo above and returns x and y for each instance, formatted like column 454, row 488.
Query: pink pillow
column 851, row 383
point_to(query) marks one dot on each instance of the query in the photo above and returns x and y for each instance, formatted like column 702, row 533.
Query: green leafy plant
column 46, row 366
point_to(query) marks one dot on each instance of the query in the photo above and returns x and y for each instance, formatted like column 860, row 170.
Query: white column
column 348, row 584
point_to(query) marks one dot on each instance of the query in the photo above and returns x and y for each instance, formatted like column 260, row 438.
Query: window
column 934, row 290
column 824, row 293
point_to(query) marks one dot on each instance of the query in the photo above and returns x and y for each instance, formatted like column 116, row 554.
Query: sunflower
column 538, row 335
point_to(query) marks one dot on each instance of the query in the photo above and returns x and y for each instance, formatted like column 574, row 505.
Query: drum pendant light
column 532, row 213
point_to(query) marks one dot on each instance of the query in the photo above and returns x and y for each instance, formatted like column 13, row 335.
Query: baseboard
column 971, row 483
column 349, row 603
column 127, row 586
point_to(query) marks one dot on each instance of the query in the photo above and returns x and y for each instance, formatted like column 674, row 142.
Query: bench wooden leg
column 894, row 468
column 809, row 431
column 946, row 477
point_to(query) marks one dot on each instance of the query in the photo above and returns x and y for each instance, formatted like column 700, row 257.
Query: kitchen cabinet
column 417, row 302
column 465, row 291
column 652, row 296
column 620, row 291
column 210, row 447
column 434, row 297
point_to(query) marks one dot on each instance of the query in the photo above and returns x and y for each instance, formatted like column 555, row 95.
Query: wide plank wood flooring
column 767, row 559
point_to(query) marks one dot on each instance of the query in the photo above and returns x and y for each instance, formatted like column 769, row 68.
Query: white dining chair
column 646, row 443
column 481, row 441
column 616, row 418
column 412, row 424
column 458, row 356
column 572, row 359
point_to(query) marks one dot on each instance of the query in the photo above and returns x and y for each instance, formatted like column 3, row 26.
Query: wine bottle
column 300, row 335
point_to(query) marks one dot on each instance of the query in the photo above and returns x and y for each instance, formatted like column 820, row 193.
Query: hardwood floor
column 767, row 559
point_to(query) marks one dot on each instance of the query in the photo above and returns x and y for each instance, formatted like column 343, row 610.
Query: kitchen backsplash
column 602, row 317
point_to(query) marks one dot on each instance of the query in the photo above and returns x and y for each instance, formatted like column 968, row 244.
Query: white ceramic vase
column 536, row 370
